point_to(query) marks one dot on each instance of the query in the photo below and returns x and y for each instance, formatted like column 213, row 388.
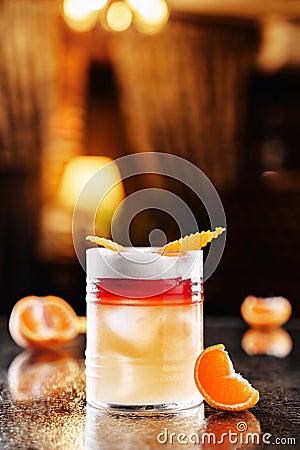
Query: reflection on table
column 42, row 402
column 274, row 342
column 187, row 429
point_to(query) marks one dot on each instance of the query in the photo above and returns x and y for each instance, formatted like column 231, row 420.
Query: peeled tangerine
column 219, row 384
column 43, row 322
column 266, row 312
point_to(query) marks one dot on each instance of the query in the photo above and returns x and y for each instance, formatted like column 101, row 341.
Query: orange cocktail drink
column 144, row 329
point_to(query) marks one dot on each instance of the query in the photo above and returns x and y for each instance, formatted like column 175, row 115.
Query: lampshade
column 107, row 194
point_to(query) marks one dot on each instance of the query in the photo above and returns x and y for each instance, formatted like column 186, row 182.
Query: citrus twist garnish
column 194, row 241
column 107, row 243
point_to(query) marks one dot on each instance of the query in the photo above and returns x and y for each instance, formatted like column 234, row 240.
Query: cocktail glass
column 144, row 329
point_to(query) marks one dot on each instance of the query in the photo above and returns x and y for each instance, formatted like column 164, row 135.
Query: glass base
column 106, row 429
column 160, row 408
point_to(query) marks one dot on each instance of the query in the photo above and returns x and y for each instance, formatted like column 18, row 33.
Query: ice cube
column 137, row 326
column 180, row 332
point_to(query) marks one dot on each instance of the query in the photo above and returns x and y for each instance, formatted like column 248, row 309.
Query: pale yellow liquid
column 143, row 355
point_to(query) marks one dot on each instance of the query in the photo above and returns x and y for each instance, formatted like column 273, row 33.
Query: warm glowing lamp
column 76, row 177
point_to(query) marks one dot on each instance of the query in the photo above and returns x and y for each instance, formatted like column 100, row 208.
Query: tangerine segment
column 219, row 384
column 107, row 243
column 266, row 312
column 194, row 241
column 42, row 322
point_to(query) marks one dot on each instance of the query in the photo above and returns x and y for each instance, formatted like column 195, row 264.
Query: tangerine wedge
column 43, row 322
column 219, row 384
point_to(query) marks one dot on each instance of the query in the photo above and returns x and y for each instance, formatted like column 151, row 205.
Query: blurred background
column 85, row 82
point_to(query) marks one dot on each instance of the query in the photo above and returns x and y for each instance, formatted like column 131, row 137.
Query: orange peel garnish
column 107, row 243
column 195, row 241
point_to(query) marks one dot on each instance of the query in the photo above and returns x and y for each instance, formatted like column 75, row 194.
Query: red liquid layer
column 142, row 292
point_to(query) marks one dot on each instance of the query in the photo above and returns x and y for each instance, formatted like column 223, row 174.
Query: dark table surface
column 42, row 402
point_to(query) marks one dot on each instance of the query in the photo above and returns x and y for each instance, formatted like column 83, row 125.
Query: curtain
column 26, row 77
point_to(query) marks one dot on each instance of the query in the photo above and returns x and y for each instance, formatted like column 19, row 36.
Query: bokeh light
column 118, row 16
column 95, row 5
column 82, row 15
column 149, row 15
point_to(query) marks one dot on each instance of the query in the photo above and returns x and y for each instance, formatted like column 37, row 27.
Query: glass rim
column 144, row 250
